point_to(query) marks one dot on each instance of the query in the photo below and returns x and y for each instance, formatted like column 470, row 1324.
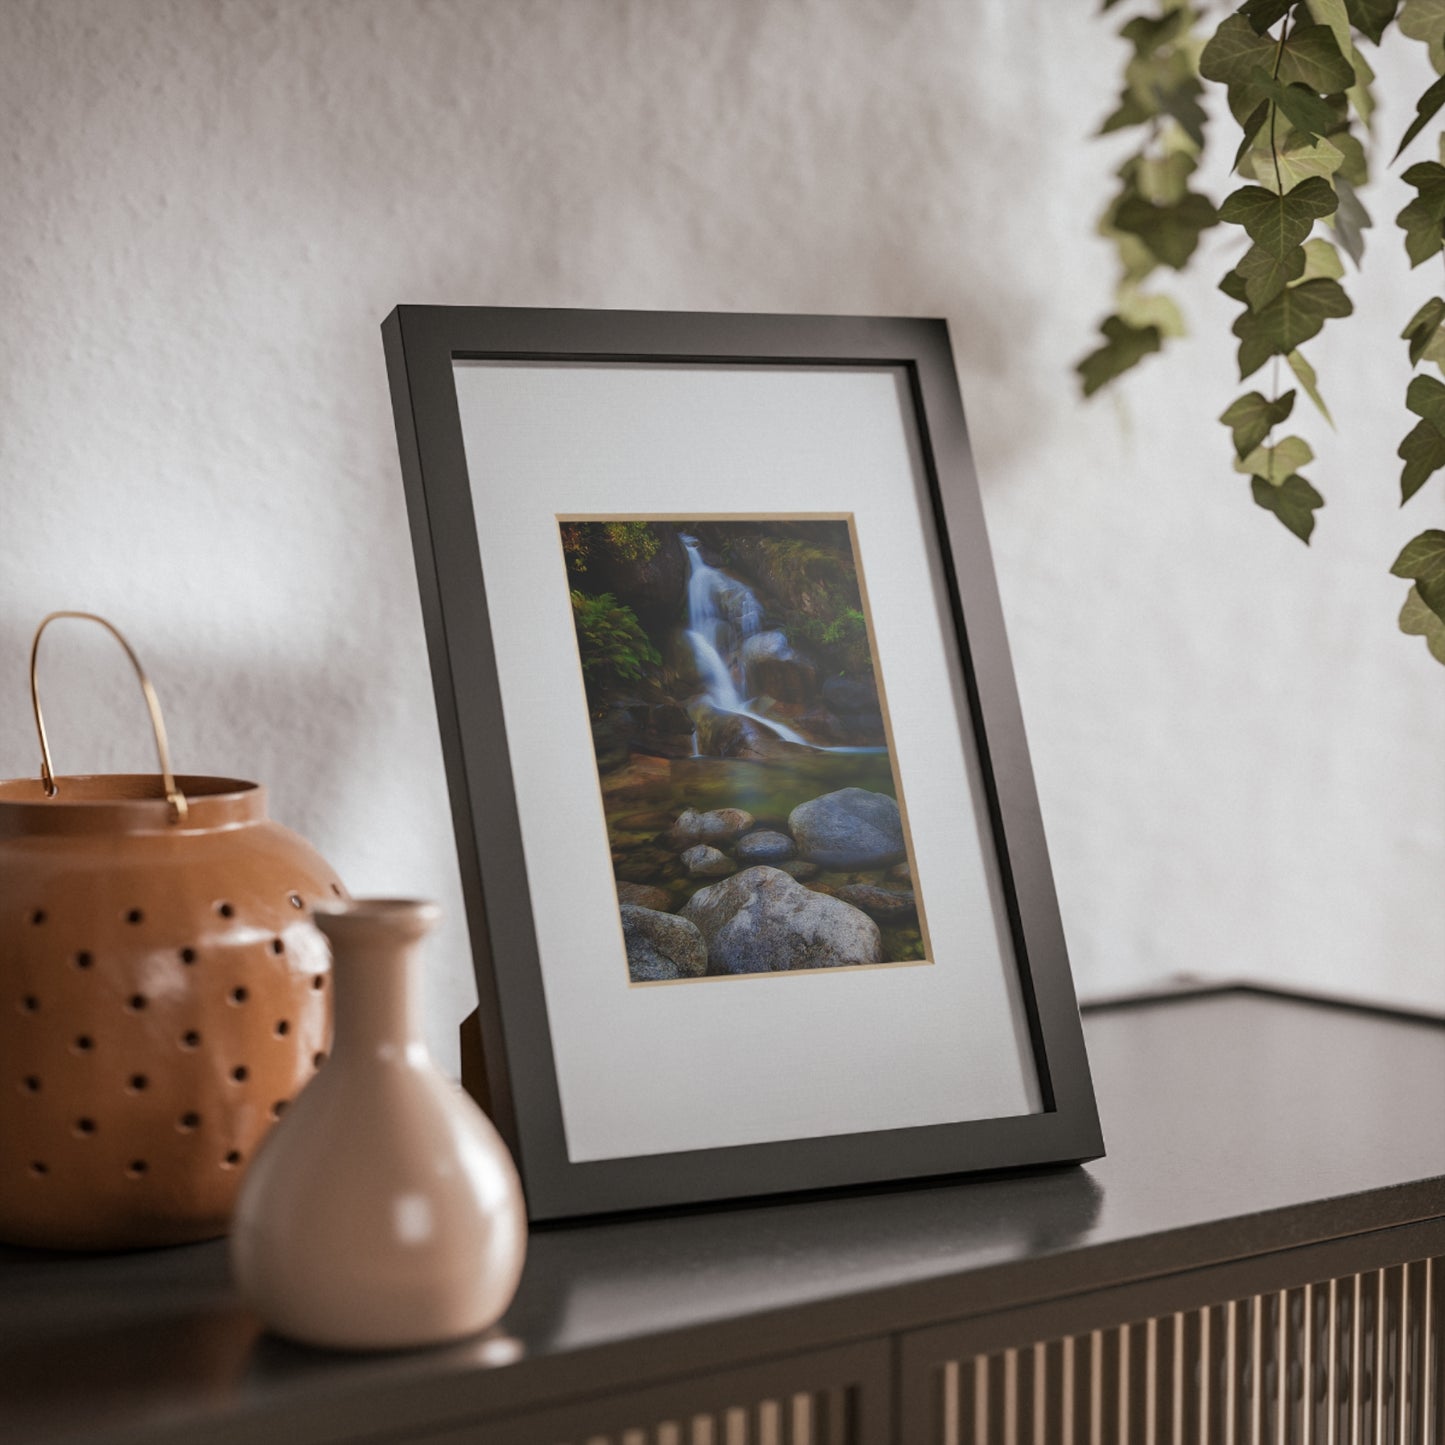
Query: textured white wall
column 207, row 208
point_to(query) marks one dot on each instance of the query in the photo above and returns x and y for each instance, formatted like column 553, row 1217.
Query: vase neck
column 376, row 973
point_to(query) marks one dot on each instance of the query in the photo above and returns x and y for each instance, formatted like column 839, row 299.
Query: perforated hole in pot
column 83, row 1044
column 84, row 959
column 137, row 1083
column 30, row 1004
column 188, row 955
column 277, row 946
column 239, row 994
column 190, row 1039
column 134, row 915
column 136, row 1169
column 38, row 1167
column 31, row 1083
column 233, row 1158
column 225, row 909
column 283, row 1027
column 37, row 916
column 240, row 1073
column 85, row 1127
column 136, row 1002
column 279, row 1108
column 189, row 1122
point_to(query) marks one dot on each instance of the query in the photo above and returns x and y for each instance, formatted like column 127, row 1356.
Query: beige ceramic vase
column 384, row 1211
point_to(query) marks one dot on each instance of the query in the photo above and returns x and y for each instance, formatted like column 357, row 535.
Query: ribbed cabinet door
column 1351, row 1360
column 831, row 1397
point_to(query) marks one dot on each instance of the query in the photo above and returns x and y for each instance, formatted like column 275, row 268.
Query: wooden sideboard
column 1260, row 1258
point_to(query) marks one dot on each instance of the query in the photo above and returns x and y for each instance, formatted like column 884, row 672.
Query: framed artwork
column 754, row 869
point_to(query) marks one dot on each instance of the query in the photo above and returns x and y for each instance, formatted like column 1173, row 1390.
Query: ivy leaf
column 1233, row 286
column 1361, row 94
column 1252, row 128
column 1277, row 461
column 1261, row 14
column 1354, row 166
column 1279, row 223
column 1416, row 620
column 1423, row 561
column 1124, row 346
column 1423, row 452
column 1351, row 220
column 1159, row 311
column 1332, row 13
column 1266, row 275
column 1297, row 160
column 1425, row 109
column 1422, row 327
column 1181, row 104
column 1423, row 20
column 1423, row 220
column 1233, row 52
column 1252, row 417
column 1293, row 501
column 1311, row 58
column 1149, row 33
column 1370, row 17
column 1306, row 112
column 1130, row 111
column 1295, row 315
column 1170, row 232
column 1321, row 259
column 1164, row 180
column 1426, row 398
column 1305, row 374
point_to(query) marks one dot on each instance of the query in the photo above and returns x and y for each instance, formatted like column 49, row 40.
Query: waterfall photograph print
column 743, row 748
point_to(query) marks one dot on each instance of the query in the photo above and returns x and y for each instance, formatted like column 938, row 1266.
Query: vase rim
column 125, row 803
column 413, row 916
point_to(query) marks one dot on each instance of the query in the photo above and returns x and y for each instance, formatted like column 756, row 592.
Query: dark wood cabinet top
column 1238, row 1123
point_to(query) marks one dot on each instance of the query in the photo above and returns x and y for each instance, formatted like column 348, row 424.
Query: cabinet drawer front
column 1355, row 1358
column 841, row 1396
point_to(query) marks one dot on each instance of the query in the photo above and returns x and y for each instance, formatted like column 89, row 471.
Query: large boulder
column 881, row 903
column 773, row 665
column 645, row 896
column 796, row 868
column 764, row 846
column 854, row 709
column 852, row 828
column 722, row 734
column 763, row 921
column 661, row 945
column 718, row 827
column 703, row 861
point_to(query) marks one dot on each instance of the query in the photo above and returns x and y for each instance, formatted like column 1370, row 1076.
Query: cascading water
column 722, row 611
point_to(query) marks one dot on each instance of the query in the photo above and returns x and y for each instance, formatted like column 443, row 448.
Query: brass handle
column 174, row 796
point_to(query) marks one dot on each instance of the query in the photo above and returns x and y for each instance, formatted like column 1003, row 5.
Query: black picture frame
column 422, row 343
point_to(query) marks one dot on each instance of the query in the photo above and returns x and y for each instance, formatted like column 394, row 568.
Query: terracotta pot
column 165, row 997
column 384, row 1211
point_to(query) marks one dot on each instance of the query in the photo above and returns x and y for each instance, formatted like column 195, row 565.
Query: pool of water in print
column 643, row 799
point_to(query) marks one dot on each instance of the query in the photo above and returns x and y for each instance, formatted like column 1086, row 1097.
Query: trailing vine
column 1299, row 89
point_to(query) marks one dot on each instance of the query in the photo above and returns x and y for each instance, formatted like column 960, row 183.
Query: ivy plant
column 1298, row 88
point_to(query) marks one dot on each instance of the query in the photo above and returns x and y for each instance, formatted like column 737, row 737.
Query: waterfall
column 720, row 611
